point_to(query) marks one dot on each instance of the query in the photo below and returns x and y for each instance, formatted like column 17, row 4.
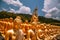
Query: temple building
column 34, row 18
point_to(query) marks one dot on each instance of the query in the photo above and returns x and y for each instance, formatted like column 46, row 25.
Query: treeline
column 4, row 14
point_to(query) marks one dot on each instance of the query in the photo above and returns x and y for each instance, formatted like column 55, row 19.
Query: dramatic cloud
column 49, row 4
column 17, row 3
column 25, row 9
column 12, row 10
column 52, row 9
column 13, row 2
column 48, row 15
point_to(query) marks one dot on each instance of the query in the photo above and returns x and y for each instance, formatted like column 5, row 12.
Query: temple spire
column 35, row 12
column 35, row 15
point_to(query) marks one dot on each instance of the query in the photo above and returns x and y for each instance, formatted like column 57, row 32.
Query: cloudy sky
column 21, row 6
column 52, row 9
column 47, row 8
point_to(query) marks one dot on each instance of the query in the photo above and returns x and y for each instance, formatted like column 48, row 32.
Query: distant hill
column 4, row 14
